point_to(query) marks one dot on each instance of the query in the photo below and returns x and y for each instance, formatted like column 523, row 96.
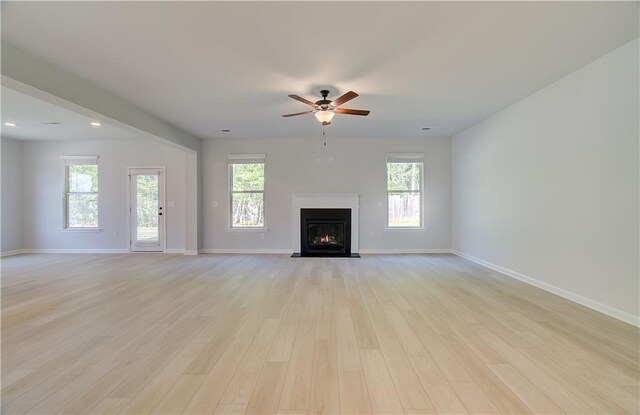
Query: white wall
column 43, row 178
column 11, row 224
column 302, row 165
column 549, row 186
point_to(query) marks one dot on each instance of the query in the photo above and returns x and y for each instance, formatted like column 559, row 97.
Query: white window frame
column 404, row 158
column 246, row 159
column 78, row 161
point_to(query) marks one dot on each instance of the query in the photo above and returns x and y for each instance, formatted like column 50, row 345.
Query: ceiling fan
column 325, row 109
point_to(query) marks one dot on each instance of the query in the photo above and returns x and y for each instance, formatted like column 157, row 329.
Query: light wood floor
column 414, row 334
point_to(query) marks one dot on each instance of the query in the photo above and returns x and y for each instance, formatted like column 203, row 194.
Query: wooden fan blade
column 344, row 98
column 352, row 112
column 304, row 101
column 297, row 113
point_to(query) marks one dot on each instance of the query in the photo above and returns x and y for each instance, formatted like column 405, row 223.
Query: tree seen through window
column 247, row 194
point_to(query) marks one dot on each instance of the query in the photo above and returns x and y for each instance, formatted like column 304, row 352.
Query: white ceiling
column 29, row 112
column 204, row 66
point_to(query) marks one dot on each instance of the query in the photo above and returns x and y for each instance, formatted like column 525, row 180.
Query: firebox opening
column 325, row 232
column 320, row 234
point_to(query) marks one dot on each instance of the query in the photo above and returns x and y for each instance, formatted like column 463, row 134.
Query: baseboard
column 289, row 251
column 217, row 251
column 576, row 298
column 10, row 253
column 403, row 251
column 246, row 251
column 75, row 251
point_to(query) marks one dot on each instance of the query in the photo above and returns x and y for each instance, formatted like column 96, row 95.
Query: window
column 404, row 190
column 246, row 183
column 81, row 192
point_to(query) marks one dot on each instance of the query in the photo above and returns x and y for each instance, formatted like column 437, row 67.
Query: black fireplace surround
column 325, row 232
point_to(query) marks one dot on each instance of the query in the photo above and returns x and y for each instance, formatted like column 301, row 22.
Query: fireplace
column 325, row 232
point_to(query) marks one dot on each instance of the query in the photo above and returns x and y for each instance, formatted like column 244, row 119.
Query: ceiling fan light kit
column 325, row 116
column 325, row 109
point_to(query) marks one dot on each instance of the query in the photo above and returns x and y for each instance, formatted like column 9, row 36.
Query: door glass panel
column 147, row 208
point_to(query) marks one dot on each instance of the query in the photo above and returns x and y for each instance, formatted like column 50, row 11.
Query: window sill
column 80, row 230
column 400, row 228
column 256, row 229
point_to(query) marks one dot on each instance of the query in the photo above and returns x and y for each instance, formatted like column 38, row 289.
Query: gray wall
column 44, row 180
column 548, row 187
column 305, row 165
column 11, row 195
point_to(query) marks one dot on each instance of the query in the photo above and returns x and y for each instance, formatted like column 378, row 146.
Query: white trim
column 576, row 298
column 11, row 253
column 92, row 158
column 246, row 157
column 404, row 251
column 246, row 251
column 234, row 159
column 404, row 157
column 75, row 251
column 323, row 201
column 77, row 161
column 289, row 251
column 174, row 251
column 192, row 252
column 80, row 230
column 248, row 229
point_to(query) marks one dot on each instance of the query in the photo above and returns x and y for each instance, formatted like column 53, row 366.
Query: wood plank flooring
column 269, row 334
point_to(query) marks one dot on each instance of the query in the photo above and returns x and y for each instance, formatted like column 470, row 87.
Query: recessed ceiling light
column 95, row 124
column 10, row 124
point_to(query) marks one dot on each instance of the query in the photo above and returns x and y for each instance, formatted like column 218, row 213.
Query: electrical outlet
column 214, row 204
column 263, row 235
column 372, row 234
column 115, row 235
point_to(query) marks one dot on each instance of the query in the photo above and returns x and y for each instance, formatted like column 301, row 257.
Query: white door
column 147, row 209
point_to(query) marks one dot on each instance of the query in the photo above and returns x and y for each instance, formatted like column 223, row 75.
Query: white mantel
column 329, row 201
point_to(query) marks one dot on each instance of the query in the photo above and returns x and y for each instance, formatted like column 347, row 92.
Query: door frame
column 161, row 202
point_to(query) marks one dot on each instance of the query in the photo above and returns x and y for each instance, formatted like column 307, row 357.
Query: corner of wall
column 11, row 199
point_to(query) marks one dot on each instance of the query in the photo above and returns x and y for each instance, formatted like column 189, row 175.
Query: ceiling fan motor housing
column 324, row 102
